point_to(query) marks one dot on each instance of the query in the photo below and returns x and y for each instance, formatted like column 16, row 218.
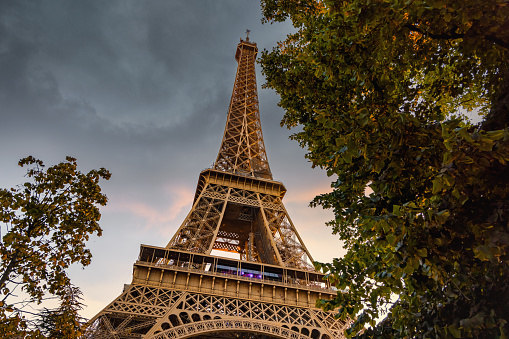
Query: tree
column 45, row 224
column 64, row 322
column 380, row 90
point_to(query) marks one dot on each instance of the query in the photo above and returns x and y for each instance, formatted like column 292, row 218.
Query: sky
column 141, row 88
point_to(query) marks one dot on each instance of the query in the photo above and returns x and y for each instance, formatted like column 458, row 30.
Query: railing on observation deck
column 241, row 270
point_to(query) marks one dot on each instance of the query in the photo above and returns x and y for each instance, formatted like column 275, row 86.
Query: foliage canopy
column 380, row 89
column 63, row 322
column 45, row 224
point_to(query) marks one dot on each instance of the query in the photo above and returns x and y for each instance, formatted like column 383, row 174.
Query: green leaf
column 422, row 252
column 484, row 252
column 455, row 331
column 391, row 239
column 437, row 185
column 498, row 134
column 465, row 135
column 485, row 144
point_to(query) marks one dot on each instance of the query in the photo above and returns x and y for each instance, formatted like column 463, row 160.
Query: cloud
column 306, row 194
column 178, row 202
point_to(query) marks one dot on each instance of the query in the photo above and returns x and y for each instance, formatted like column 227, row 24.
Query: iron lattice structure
column 184, row 291
column 242, row 149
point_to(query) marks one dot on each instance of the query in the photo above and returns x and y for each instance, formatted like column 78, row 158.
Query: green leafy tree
column 45, row 224
column 64, row 322
column 379, row 90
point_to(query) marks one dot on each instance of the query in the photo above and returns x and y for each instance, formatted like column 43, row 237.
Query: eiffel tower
column 184, row 291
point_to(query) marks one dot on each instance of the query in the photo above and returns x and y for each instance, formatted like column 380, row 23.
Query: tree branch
column 445, row 36
column 497, row 41
column 453, row 35
column 9, row 268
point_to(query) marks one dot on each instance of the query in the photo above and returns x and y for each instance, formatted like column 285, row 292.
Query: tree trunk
column 9, row 269
column 498, row 117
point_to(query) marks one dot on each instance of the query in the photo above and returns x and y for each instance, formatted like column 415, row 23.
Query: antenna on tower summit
column 247, row 34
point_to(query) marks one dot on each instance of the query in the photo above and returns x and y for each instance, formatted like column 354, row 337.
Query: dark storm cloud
column 127, row 62
column 126, row 77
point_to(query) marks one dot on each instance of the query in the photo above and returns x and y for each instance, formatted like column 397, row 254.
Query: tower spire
column 242, row 150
